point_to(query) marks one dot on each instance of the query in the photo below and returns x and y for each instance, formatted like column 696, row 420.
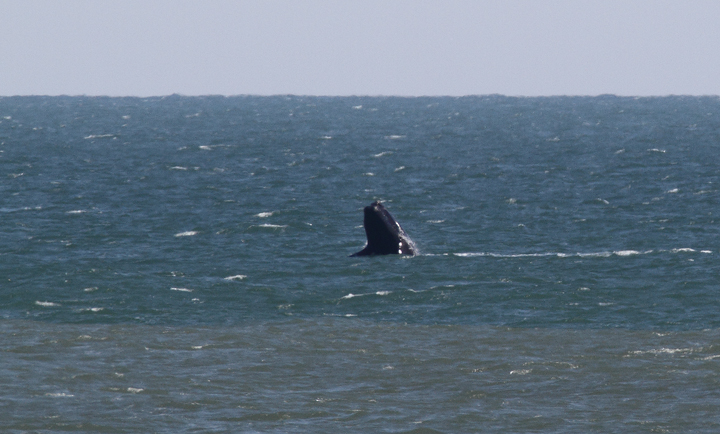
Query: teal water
column 180, row 264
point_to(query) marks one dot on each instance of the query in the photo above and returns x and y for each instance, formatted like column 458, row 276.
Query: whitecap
column 267, row 225
column 595, row 255
column 683, row 250
column 134, row 390
column 395, row 137
column 369, row 174
column 603, row 254
column 626, row 252
column 99, row 136
column 351, row 295
column 47, row 304
column 186, row 234
column 181, row 289
column 236, row 277
column 664, row 351
column 76, row 211
column 205, row 148
column 60, row 395
column 662, row 151
column 178, row 168
column 264, row 214
column 674, row 190
column 382, row 154
column 400, row 168
column 435, row 221
column 25, row 208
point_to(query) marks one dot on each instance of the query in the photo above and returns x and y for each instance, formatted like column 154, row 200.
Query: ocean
column 181, row 265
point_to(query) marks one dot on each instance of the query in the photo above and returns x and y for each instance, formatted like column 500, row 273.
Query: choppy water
column 181, row 264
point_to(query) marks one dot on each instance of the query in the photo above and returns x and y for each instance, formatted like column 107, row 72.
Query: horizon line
column 301, row 95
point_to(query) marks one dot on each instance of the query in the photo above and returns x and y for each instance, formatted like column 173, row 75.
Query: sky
column 363, row 47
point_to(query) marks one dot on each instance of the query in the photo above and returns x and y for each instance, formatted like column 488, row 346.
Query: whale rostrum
column 385, row 236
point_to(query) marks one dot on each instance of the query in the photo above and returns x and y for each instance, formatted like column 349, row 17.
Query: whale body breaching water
column 385, row 236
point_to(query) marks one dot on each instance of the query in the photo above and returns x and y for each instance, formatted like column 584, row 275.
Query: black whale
column 384, row 234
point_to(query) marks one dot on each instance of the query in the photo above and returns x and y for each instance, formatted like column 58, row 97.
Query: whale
column 384, row 234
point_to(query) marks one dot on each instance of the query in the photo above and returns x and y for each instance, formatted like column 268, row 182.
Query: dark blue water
column 576, row 233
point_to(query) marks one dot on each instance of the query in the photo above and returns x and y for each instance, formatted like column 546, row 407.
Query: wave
column 181, row 289
column 236, row 277
column 100, row 136
column 25, row 208
column 351, row 295
column 601, row 254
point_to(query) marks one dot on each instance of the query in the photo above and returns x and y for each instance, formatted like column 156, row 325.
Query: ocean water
column 181, row 264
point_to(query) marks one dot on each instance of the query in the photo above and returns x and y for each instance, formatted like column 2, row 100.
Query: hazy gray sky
column 363, row 47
